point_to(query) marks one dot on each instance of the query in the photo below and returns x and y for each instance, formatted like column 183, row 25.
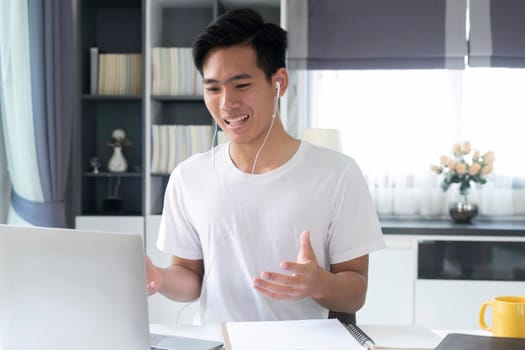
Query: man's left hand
column 304, row 280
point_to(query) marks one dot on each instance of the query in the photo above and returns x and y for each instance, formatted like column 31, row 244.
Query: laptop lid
column 71, row 289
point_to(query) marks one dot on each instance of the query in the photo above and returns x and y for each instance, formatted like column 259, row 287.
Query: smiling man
column 264, row 227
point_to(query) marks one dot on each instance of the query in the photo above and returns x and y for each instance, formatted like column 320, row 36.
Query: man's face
column 237, row 94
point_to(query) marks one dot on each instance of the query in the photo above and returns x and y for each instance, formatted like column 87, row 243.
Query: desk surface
column 202, row 332
column 214, row 332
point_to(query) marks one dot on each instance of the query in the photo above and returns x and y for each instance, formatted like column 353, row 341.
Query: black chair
column 344, row 317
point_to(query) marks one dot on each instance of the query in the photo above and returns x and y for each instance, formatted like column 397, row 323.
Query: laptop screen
column 71, row 289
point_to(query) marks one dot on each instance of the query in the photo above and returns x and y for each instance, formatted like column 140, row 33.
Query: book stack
column 173, row 72
column 115, row 74
column 171, row 144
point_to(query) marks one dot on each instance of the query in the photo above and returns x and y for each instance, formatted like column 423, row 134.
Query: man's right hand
column 153, row 277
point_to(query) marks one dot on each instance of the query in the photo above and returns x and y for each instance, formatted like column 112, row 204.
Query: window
column 395, row 123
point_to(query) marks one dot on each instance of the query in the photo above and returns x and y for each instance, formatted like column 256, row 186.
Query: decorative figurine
column 117, row 163
column 95, row 163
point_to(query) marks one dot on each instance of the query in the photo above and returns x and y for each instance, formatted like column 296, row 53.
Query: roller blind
column 376, row 34
column 497, row 33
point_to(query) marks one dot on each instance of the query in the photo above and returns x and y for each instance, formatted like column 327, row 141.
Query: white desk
column 201, row 332
column 214, row 332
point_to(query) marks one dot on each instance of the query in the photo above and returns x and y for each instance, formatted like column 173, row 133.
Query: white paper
column 319, row 334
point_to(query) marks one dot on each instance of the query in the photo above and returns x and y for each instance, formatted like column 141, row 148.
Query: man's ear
column 281, row 76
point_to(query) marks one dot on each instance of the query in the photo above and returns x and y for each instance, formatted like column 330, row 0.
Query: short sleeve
column 176, row 234
column 355, row 230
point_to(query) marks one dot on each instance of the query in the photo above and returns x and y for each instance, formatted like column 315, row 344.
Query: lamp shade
column 329, row 138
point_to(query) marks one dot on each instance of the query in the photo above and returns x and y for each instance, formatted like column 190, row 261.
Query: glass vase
column 463, row 210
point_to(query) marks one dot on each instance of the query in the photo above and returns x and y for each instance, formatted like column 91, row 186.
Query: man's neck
column 277, row 150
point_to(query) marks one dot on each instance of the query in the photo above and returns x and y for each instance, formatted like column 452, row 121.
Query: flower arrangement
column 465, row 166
column 118, row 139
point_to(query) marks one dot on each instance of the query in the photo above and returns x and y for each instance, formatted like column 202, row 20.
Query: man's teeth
column 237, row 120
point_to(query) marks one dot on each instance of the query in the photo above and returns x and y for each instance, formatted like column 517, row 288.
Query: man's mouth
column 237, row 120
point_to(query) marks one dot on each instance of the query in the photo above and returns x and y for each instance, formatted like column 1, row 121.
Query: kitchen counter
column 448, row 227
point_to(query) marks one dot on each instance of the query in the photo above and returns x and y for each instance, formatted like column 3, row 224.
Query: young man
column 265, row 227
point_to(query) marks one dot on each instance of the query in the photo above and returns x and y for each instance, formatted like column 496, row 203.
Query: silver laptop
column 73, row 289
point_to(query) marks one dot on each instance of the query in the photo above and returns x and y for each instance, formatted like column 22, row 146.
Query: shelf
column 111, row 97
column 116, row 3
column 95, row 214
column 178, row 98
column 112, row 175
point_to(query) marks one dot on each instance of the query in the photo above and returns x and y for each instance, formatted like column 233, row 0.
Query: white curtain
column 397, row 123
column 293, row 108
column 17, row 116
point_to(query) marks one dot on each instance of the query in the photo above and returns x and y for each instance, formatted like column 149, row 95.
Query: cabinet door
column 456, row 276
column 445, row 304
column 391, row 277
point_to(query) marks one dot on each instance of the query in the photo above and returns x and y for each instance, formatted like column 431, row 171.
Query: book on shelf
column 93, row 70
column 173, row 72
column 172, row 148
column 171, row 144
column 118, row 74
column 181, row 151
column 163, row 149
column 155, row 167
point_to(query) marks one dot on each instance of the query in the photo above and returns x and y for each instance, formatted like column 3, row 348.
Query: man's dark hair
column 244, row 27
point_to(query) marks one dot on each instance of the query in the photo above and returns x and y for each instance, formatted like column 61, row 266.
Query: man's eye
column 242, row 86
column 212, row 89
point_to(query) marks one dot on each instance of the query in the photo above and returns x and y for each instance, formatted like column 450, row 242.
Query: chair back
column 344, row 317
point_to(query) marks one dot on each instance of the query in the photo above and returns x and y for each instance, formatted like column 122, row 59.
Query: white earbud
column 278, row 86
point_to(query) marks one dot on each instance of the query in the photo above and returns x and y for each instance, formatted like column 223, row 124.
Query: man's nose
column 230, row 99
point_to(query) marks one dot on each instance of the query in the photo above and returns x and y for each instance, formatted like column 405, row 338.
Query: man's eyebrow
column 235, row 77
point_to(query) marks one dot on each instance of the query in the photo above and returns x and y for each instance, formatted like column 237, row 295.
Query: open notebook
column 319, row 334
column 73, row 289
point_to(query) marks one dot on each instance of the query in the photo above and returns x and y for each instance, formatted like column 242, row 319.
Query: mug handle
column 482, row 316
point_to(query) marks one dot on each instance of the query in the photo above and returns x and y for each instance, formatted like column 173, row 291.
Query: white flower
column 119, row 134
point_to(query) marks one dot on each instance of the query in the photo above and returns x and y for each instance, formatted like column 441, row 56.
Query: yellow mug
column 508, row 316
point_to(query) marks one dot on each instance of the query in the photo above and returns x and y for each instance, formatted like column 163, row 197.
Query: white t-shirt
column 243, row 224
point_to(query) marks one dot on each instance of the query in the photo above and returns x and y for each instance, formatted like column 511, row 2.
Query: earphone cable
column 276, row 104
